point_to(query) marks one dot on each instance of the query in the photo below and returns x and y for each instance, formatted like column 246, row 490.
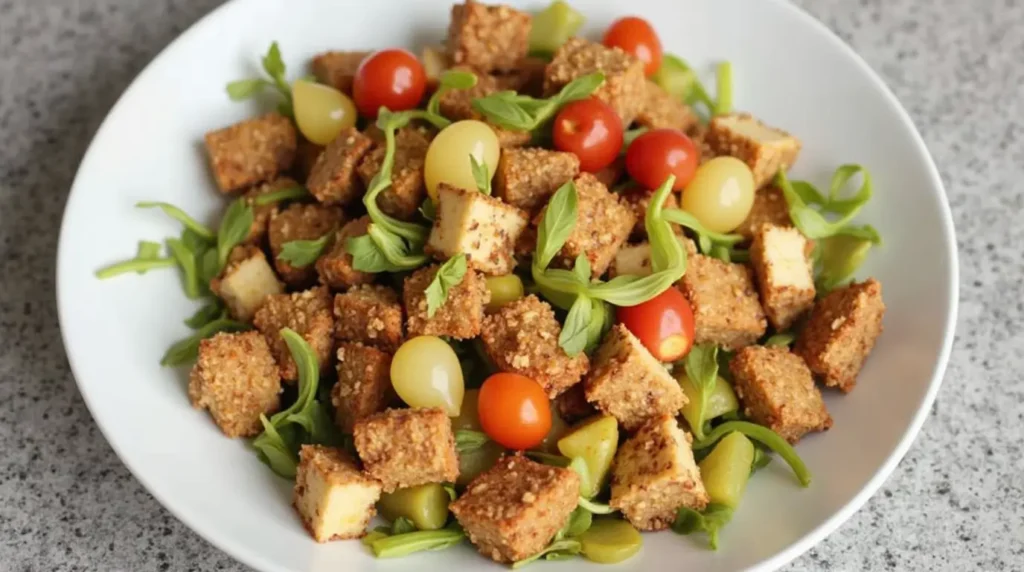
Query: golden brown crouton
column 334, row 499
column 309, row 314
column 403, row 198
column 488, row 37
column 305, row 157
column 726, row 309
column 407, row 447
column 639, row 200
column 764, row 149
column 781, row 262
column 514, row 509
column 457, row 104
column 369, row 314
column 335, row 266
column 338, row 69
column 300, row 222
column 460, row 316
column 572, row 405
column 526, row 178
column 236, row 380
column 841, row 332
column 769, row 208
column 777, row 391
column 624, row 87
column 664, row 111
column 482, row 227
column 246, row 282
column 261, row 214
column 522, row 337
column 333, row 178
column 250, row 152
column 654, row 474
column 364, row 384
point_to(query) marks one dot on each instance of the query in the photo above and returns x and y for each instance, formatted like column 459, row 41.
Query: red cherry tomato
column 389, row 78
column 636, row 36
column 655, row 155
column 590, row 129
column 663, row 324
column 514, row 410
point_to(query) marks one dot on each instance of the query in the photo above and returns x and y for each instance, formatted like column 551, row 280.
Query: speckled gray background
column 956, row 502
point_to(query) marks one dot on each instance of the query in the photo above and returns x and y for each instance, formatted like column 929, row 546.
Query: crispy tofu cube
column 338, row 69
column 572, row 405
column 841, row 332
column 483, row 228
column 635, row 258
column 769, row 208
column 522, row 337
column 457, row 104
column 778, row 391
column 261, row 214
column 514, row 509
column 628, row 383
column 246, row 282
column 251, row 152
column 335, row 266
column 333, row 178
column 526, row 245
column 300, row 222
column 403, row 198
column 526, row 79
column 460, row 317
column 639, row 200
column 663, row 111
column 781, row 260
column 364, row 384
column 488, row 37
column 309, row 314
column 526, row 178
column 334, row 499
column 236, row 379
column 369, row 314
column 726, row 309
column 407, row 447
column 654, row 474
column 624, row 87
column 764, row 149
column 305, row 157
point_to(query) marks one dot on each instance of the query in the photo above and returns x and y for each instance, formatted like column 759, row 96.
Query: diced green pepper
column 594, row 440
column 726, row 469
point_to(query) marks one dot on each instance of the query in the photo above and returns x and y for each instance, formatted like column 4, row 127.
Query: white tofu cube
column 635, row 258
column 782, row 266
column 334, row 498
column 245, row 284
column 484, row 228
column 764, row 149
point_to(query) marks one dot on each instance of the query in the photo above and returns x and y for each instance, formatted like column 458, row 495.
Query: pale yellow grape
column 504, row 290
column 720, row 194
column 610, row 540
column 321, row 111
column 425, row 372
column 448, row 155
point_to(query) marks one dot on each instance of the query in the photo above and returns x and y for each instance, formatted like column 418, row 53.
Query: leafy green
column 579, row 521
column 677, row 78
column 701, row 367
column 186, row 260
column 234, row 228
column 148, row 250
column 449, row 80
column 838, row 258
column 402, row 525
column 808, row 206
column 714, row 517
column 766, row 437
column 574, row 336
column 761, row 460
column 782, row 339
column 594, row 507
column 480, row 175
column 208, row 313
column 180, row 216
column 524, row 113
column 280, row 195
column 385, row 545
column 243, row 89
column 302, row 253
column 273, row 66
column 186, row 350
column 142, row 263
column 557, row 223
column 566, row 542
column 707, row 240
column 274, row 451
column 452, row 493
column 449, row 275
column 468, row 440
column 549, row 459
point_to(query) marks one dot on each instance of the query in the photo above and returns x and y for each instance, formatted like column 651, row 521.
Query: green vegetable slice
column 553, row 26
column 765, row 436
column 206, row 314
column 281, row 195
column 398, row 545
column 137, row 265
column 467, row 440
column 187, row 263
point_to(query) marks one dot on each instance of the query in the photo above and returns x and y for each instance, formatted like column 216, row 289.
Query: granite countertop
column 956, row 502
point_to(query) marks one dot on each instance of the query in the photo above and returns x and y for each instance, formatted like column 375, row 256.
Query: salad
column 525, row 289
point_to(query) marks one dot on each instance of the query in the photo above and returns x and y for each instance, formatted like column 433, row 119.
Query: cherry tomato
column 655, row 155
column 590, row 129
column 514, row 411
column 663, row 324
column 389, row 78
column 636, row 36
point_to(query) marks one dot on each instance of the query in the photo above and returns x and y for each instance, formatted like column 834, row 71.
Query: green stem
column 767, row 437
column 134, row 265
column 180, row 216
column 723, row 89
column 289, row 194
column 410, row 542
column 595, row 507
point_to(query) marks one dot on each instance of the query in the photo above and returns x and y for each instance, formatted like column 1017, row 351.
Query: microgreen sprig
column 274, row 67
column 524, row 113
column 711, row 521
column 302, row 253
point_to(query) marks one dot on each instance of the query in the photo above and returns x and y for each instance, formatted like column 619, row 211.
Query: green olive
column 504, row 290
column 726, row 469
column 721, row 401
column 608, row 541
column 594, row 440
column 425, row 505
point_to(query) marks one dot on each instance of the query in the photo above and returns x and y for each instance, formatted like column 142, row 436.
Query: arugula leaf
column 781, row 339
column 178, row 215
column 449, row 80
column 449, row 275
column 766, row 437
column 186, row 350
column 557, row 550
column 701, row 367
column 811, row 222
column 209, row 265
column 582, row 268
column 714, row 517
column 187, row 263
column 208, row 313
column 601, row 320
column 273, row 64
column 280, row 195
column 243, row 89
column 707, row 240
column 594, row 507
column 402, row 525
column 302, row 253
column 468, row 440
column 557, row 224
column 573, row 338
column 234, row 228
column 523, row 113
column 480, row 175
column 139, row 266
column 272, row 449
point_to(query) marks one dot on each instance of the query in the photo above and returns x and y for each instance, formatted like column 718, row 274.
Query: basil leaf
column 242, row 89
column 178, row 215
column 468, row 440
column 273, row 197
column 582, row 269
column 701, row 366
column 148, row 250
column 504, row 113
column 666, row 251
column 838, row 260
column 565, row 547
column 402, row 525
column 208, row 313
column 707, row 240
column 234, row 228
column 601, row 320
column 579, row 88
column 302, row 253
column 784, row 339
column 186, row 350
column 712, row 520
column 272, row 62
column 366, row 257
column 309, row 376
column 449, row 275
column 272, row 449
column 209, row 265
column 573, row 338
column 187, row 263
column 557, row 224
column 480, row 175
column 631, row 290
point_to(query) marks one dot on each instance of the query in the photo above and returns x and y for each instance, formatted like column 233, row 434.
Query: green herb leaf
column 196, row 243
column 813, row 223
column 367, row 257
column 573, row 338
column 666, row 251
column 242, row 89
column 549, row 459
column 707, row 240
column 452, row 493
column 677, row 78
column 186, row 350
column 139, row 266
column 701, row 367
column 480, row 175
column 280, row 195
column 428, row 209
column 761, row 460
column 208, row 313
column 504, row 113
column 580, row 88
column 234, row 228
column 209, row 265
column 272, row 62
column 629, row 136
column 629, row 290
column 579, row 521
column 272, row 449
column 582, row 269
column 579, row 466
column 468, row 440
column 449, row 275
column 404, row 544
column 524, row 113
column 766, row 437
column 838, row 259
column 302, row 253
column 178, row 215
column 595, row 507
column 148, row 250
column 557, row 224
column 187, row 263
column 449, row 80
column 402, row 525
column 601, row 320
column 782, row 339
column 712, row 520
column 558, row 548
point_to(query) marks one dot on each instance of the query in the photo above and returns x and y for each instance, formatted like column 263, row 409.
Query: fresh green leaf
column 148, row 250
column 429, row 209
column 480, row 175
column 839, row 258
column 234, row 228
column 404, row 544
column 677, row 78
column 402, row 525
column 711, row 521
column 209, row 265
column 766, row 437
column 449, row 80
column 504, row 113
column 302, row 253
column 524, row 113
column 272, row 62
column 208, row 313
column 242, row 89
column 667, row 254
column 573, row 338
column 580, row 88
column 549, row 459
column 186, row 350
column 178, row 215
column 134, row 265
column 558, row 548
column 187, row 263
column 366, row 257
column 782, row 339
column 701, row 366
column 274, row 451
column 309, row 378
column 723, row 89
column 557, row 224
column 579, row 521
column 707, row 240
column 468, row 440
column 813, row 223
column 630, row 290
column 452, row 493
column 601, row 320
column 582, row 269
column 579, row 466
column 449, row 275
column 196, row 243
column 595, row 507
column 280, row 195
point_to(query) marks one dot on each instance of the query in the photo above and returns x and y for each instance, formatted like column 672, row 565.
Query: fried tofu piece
column 639, row 200
column 526, row 79
column 526, row 178
column 333, row 178
column 236, row 379
column 335, row 266
column 460, row 317
column 251, row 152
column 483, row 228
column 778, row 391
column 305, row 157
column 769, row 208
column 628, row 383
column 781, row 260
column 624, row 87
column 309, row 314
column 513, row 510
column 663, row 111
column 364, row 384
column 522, row 337
column 403, row 198
column 246, row 282
column 572, row 405
column 726, row 308
column 261, row 214
column 407, row 447
column 338, row 69
column 654, row 474
column 841, row 332
column 369, row 314
column 766, row 150
column 635, row 258
column 334, row 499
column 300, row 222
column 457, row 104
column 488, row 37
column 526, row 245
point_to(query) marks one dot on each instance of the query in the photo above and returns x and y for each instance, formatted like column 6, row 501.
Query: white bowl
column 789, row 70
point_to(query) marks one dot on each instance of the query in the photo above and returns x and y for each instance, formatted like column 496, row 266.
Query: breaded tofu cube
column 309, row 314
column 335, row 266
column 460, row 317
column 526, row 178
column 635, row 258
column 251, row 152
column 364, row 384
column 369, row 314
column 338, row 69
column 333, row 179
column 778, row 391
column 664, row 111
column 726, row 308
column 841, row 332
column 628, row 383
column 572, row 405
column 639, row 200
column 526, row 245
column 403, row 198
column 457, row 104
column 300, row 222
column 654, row 474
column 236, row 379
column 488, row 37
column 482, row 227
column 769, row 208
column 527, row 78
column 522, row 337
column 246, row 282
column 624, row 87
column 261, row 214
column 513, row 510
column 332, row 496
column 781, row 260
column 305, row 157
column 407, row 447
column 766, row 150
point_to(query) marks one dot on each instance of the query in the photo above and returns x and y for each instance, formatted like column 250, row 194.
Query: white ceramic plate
column 789, row 70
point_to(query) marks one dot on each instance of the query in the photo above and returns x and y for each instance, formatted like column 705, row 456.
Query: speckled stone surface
column 956, row 502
